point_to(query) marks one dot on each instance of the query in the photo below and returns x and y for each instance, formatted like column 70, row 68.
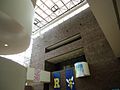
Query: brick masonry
column 104, row 66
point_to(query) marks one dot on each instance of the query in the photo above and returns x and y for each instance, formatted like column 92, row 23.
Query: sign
column 56, row 78
column 70, row 84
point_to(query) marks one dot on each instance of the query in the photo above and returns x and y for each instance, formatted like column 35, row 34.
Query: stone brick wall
column 104, row 66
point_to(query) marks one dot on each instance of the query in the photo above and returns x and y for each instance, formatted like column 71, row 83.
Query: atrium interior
column 60, row 44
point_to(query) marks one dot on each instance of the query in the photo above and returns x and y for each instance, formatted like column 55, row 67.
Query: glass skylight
column 49, row 10
column 62, row 19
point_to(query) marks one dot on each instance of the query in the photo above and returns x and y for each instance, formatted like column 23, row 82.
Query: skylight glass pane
column 38, row 17
column 39, row 11
column 43, row 15
column 49, row 3
column 76, row 1
column 39, row 3
column 48, row 19
column 48, row 11
column 65, row 1
column 59, row 3
column 43, row 7
column 53, row 16
column 43, row 22
column 40, row 25
column 44, row 0
column 58, row 12
column 63, row 9
column 70, row 4
column 55, row 1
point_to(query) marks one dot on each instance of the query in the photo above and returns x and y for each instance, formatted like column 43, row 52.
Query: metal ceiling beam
column 72, row 2
column 64, row 4
column 61, row 15
column 47, row 6
column 41, row 17
column 43, row 11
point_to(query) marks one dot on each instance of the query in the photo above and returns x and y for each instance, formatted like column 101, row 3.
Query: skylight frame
column 55, row 15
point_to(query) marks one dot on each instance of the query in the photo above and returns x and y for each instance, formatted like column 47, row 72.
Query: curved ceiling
column 15, row 25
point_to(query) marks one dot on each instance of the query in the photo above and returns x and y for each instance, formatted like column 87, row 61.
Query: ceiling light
column 6, row 45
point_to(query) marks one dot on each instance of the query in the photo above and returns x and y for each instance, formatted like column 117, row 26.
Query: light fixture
column 6, row 45
column 3, row 44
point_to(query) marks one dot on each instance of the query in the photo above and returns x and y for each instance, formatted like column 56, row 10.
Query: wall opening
column 63, row 42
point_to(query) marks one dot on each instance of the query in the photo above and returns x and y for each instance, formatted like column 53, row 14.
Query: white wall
column 16, row 19
column 12, row 75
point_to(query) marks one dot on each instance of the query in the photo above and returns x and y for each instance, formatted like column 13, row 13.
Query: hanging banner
column 81, row 69
column 70, row 84
column 56, row 78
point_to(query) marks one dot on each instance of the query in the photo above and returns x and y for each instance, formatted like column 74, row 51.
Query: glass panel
column 58, row 12
column 65, row 1
column 39, row 11
column 63, row 9
column 44, row 0
column 48, row 19
column 39, row 3
column 38, row 17
column 43, row 7
column 43, row 22
column 76, row 1
column 70, row 5
column 59, row 3
column 49, row 3
column 55, row 1
column 53, row 16
column 48, row 11
column 43, row 15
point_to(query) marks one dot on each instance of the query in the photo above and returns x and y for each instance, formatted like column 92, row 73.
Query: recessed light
column 6, row 45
